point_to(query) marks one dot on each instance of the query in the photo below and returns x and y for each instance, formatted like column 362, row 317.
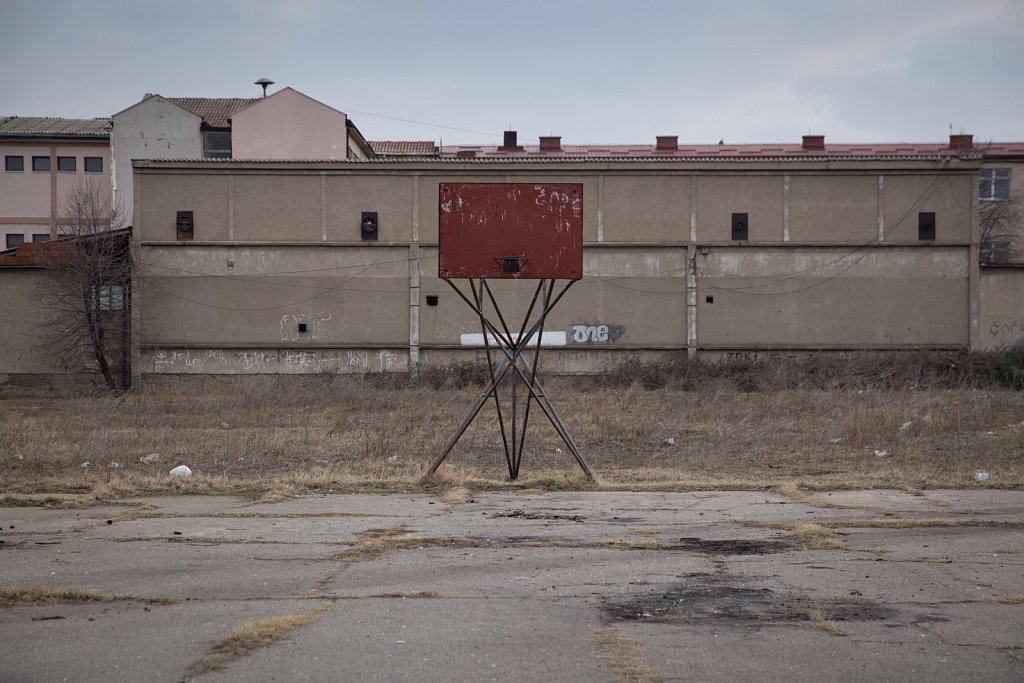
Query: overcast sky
column 592, row 71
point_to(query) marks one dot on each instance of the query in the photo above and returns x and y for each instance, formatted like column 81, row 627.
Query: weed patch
column 252, row 636
column 623, row 657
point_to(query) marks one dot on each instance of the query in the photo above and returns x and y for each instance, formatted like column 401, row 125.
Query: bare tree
column 1002, row 231
column 87, row 295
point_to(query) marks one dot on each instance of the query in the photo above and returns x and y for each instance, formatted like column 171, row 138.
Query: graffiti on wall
column 596, row 333
column 318, row 326
column 1007, row 334
column 291, row 361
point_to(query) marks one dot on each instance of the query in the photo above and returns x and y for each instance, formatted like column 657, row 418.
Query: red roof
column 723, row 151
column 216, row 112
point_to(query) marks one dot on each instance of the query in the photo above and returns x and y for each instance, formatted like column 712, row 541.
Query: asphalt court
column 519, row 585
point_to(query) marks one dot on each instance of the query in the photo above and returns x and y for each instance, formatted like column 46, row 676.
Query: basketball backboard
column 511, row 230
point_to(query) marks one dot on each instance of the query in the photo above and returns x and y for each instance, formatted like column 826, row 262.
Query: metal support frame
column 508, row 353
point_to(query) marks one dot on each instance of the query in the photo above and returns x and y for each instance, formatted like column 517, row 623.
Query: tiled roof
column 215, row 111
column 47, row 126
column 722, row 151
column 1002, row 150
column 420, row 148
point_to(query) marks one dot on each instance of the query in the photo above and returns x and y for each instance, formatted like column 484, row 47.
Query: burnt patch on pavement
column 710, row 598
column 735, row 547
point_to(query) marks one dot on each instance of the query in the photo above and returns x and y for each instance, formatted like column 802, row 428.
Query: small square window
column 94, row 164
column 66, row 164
column 926, row 225
column 14, row 240
column 14, row 163
column 40, row 163
column 41, row 237
column 184, row 225
column 740, row 226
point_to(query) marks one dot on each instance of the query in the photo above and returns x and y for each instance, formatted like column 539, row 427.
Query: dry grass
column 623, row 657
column 820, row 619
column 456, row 495
column 916, row 523
column 273, row 437
column 12, row 596
column 811, row 536
column 252, row 636
column 44, row 595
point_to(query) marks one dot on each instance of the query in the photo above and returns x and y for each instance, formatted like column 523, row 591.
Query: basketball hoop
column 511, row 230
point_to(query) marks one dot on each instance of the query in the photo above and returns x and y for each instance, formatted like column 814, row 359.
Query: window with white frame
column 993, row 184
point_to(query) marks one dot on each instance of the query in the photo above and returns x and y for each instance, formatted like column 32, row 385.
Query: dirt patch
column 711, row 598
column 524, row 514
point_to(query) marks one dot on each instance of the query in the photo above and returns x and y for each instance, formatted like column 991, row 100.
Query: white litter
column 881, row 454
column 150, row 459
column 981, row 476
column 670, row 441
column 906, row 425
column 181, row 471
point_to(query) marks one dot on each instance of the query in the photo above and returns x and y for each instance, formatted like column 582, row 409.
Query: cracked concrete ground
column 518, row 585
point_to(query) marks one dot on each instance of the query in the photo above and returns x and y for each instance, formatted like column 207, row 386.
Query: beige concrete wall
column 628, row 298
column 258, row 297
column 833, row 298
column 950, row 197
column 288, row 251
column 289, row 125
column 841, row 208
column 759, row 196
column 205, row 194
column 1002, row 307
column 392, row 197
column 645, row 208
column 24, row 347
column 277, row 208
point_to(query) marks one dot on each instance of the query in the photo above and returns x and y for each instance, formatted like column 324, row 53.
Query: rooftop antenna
column 264, row 82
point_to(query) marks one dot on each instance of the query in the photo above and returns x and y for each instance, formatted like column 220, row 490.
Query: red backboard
column 511, row 230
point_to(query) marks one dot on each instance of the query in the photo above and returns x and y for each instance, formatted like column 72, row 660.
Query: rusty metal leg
column 548, row 408
column 518, row 455
column 513, row 349
column 478, row 298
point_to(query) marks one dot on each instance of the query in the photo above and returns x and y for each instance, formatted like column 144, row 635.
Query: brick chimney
column 551, row 143
column 814, row 142
column 961, row 142
column 465, row 154
column 510, row 143
column 667, row 143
